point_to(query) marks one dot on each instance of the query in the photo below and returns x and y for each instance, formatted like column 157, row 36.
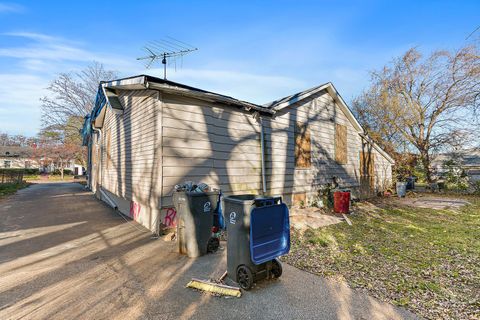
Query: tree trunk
column 61, row 171
column 426, row 165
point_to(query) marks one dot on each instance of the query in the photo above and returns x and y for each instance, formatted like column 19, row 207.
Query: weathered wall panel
column 162, row 140
column 131, row 156
column 203, row 142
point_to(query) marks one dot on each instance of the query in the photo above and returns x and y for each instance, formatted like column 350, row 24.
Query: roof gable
column 337, row 98
column 300, row 96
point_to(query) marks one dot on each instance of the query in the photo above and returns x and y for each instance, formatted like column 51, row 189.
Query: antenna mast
column 166, row 50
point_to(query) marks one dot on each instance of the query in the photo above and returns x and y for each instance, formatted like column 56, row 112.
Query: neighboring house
column 48, row 165
column 17, row 157
column 146, row 134
column 77, row 169
column 468, row 160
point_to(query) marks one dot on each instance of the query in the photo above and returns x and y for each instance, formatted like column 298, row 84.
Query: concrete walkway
column 66, row 255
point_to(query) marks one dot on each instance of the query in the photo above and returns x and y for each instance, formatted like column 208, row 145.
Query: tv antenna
column 167, row 50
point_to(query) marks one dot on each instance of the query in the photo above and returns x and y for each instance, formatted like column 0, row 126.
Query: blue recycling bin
column 258, row 231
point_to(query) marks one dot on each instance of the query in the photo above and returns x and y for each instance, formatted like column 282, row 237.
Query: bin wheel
column 213, row 244
column 276, row 268
column 244, row 277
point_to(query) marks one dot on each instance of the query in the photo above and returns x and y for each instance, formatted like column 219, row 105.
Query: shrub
column 32, row 171
column 66, row 172
column 476, row 187
column 456, row 178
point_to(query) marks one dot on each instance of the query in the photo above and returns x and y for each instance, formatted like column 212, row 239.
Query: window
column 7, row 163
column 303, row 154
column 340, row 144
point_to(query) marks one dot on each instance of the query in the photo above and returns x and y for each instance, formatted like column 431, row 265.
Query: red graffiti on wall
column 134, row 210
column 170, row 216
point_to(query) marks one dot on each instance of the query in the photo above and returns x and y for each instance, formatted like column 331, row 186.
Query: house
column 26, row 157
column 467, row 160
column 146, row 134
column 17, row 157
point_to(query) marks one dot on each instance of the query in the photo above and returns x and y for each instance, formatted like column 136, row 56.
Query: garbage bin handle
column 268, row 202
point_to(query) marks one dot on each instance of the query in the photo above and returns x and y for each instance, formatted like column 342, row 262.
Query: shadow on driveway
column 66, row 255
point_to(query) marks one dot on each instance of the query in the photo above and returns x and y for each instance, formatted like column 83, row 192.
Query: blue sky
column 257, row 51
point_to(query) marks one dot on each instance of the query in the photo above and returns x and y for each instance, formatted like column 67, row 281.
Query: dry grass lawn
column 423, row 259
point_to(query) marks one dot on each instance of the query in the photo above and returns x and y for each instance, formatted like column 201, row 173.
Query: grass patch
column 10, row 188
column 425, row 260
column 31, row 177
column 50, row 177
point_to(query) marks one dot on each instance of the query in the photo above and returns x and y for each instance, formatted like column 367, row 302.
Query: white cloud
column 19, row 103
column 11, row 7
column 43, row 56
column 32, row 36
column 46, row 47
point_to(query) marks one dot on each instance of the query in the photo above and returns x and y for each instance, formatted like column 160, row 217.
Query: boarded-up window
column 340, row 144
column 303, row 148
column 108, row 151
column 367, row 171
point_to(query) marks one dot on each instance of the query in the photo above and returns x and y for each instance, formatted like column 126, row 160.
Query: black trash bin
column 258, row 233
column 411, row 183
column 195, row 220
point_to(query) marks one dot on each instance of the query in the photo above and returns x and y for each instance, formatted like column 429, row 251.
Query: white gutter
column 262, row 144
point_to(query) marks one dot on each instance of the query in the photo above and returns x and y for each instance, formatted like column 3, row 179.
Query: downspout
column 262, row 144
column 99, row 132
column 109, row 200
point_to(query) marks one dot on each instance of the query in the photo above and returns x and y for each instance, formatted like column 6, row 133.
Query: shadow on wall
column 221, row 146
column 132, row 168
column 320, row 120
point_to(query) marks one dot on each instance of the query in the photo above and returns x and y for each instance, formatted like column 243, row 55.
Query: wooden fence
column 11, row 176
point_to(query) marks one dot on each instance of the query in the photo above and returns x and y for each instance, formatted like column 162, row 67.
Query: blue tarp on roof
column 100, row 101
column 86, row 130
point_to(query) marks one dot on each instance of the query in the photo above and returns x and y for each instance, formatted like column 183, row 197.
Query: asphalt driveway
column 66, row 255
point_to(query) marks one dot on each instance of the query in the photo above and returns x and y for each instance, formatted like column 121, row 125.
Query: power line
column 472, row 32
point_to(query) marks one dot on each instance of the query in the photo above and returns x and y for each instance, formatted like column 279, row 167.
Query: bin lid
column 269, row 233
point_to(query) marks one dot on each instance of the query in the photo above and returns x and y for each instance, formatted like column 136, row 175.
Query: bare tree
column 72, row 97
column 16, row 140
column 424, row 104
column 54, row 149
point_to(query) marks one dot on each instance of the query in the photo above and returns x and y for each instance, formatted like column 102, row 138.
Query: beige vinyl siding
column 162, row 140
column 383, row 172
column 206, row 142
column 320, row 114
column 133, row 166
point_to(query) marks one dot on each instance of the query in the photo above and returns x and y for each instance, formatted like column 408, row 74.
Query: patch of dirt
column 417, row 200
column 304, row 218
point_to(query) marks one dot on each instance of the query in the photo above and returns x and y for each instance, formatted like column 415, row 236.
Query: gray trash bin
column 195, row 220
column 401, row 189
column 258, row 232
